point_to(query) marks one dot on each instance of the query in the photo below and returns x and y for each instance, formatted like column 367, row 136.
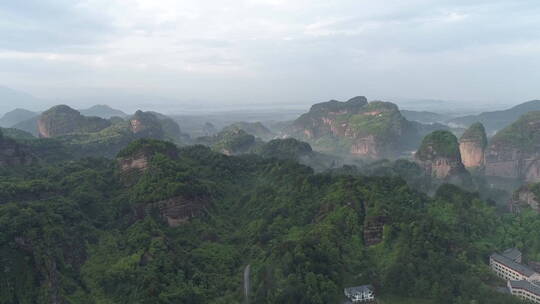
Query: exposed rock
column 179, row 210
column 146, row 124
column 374, row 130
column 526, row 196
column 138, row 154
column 514, row 152
column 373, row 230
column 472, row 146
column 63, row 120
column 175, row 211
column 439, row 155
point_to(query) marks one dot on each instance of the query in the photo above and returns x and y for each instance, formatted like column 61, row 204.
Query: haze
column 268, row 52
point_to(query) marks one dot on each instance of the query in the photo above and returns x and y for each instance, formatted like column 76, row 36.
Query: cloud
column 305, row 48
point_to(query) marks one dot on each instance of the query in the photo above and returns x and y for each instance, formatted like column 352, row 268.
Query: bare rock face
column 514, row 152
column 138, row 162
column 373, row 230
column 175, row 211
column 146, row 124
column 372, row 130
column 136, row 157
column 62, row 120
column 472, row 146
column 440, row 157
column 526, row 196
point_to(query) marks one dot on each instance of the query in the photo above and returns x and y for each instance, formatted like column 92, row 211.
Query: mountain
column 30, row 125
column 514, row 152
column 440, row 157
column 256, row 129
column 10, row 97
column 63, row 120
column 424, row 116
column 13, row 153
column 472, row 146
column 103, row 111
column 497, row 120
column 161, row 224
column 372, row 130
column 16, row 116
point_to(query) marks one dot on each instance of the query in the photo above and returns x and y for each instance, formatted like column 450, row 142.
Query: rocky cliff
column 63, row 120
column 373, row 130
column 472, row 146
column 527, row 195
column 12, row 153
column 440, row 157
column 137, row 155
column 514, row 152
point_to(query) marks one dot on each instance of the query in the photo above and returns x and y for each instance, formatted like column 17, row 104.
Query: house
column 513, row 253
column 358, row 294
column 526, row 290
column 522, row 281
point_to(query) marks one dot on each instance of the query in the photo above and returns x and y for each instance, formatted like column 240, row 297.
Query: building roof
column 525, row 285
column 524, row 270
column 512, row 253
column 359, row 289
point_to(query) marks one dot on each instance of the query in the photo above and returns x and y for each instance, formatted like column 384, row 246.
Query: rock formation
column 63, row 120
column 472, row 146
column 514, row 152
column 12, row 153
column 146, row 124
column 137, row 155
column 374, row 130
column 440, row 157
column 527, row 195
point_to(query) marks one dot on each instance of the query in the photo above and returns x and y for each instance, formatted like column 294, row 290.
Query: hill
column 186, row 225
column 103, row 111
column 16, row 116
column 372, row 130
column 514, row 151
column 497, row 120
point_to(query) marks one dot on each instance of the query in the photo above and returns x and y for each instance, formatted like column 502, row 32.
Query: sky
column 262, row 52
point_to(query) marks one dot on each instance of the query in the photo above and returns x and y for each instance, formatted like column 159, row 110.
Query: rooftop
column 525, row 285
column 359, row 289
column 524, row 270
column 512, row 253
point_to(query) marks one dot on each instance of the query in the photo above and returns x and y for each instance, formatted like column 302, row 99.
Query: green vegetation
column 438, row 144
column 74, row 232
column 476, row 133
column 522, row 134
column 288, row 148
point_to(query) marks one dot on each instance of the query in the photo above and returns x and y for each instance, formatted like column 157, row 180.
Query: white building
column 522, row 281
column 358, row 294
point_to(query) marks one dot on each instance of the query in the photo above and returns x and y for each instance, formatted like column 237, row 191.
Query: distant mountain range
column 496, row 120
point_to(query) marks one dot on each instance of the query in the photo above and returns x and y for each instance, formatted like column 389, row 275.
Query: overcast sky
column 262, row 51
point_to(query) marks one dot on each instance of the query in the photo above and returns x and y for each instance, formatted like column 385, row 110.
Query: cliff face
column 12, row 153
column 440, row 157
column 137, row 155
column 514, row 151
column 472, row 146
column 145, row 124
column 63, row 120
column 526, row 196
column 374, row 130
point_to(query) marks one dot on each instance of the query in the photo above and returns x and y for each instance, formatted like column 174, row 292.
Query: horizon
column 272, row 51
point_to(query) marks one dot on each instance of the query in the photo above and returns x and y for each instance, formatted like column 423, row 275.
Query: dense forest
column 183, row 226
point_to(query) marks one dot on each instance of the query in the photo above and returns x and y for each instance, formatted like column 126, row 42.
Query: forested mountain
column 357, row 127
column 103, row 111
column 16, row 116
column 166, row 225
column 497, row 120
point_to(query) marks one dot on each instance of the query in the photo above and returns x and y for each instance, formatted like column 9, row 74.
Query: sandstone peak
column 472, row 146
column 439, row 155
